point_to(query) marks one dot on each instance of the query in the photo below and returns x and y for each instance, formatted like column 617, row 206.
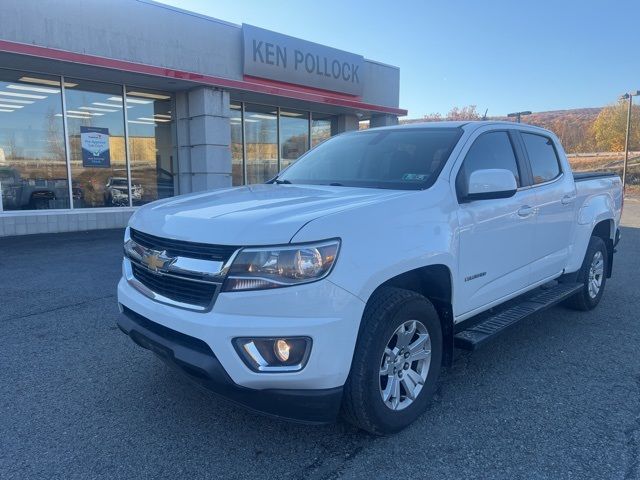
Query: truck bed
column 592, row 187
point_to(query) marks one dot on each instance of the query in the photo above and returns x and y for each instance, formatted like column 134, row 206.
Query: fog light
column 282, row 350
column 262, row 354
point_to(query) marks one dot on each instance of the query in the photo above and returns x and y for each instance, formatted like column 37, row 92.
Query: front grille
column 179, row 248
column 177, row 289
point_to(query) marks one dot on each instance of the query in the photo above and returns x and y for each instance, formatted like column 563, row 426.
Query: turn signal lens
column 282, row 350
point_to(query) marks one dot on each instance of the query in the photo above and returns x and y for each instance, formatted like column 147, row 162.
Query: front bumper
column 194, row 358
column 326, row 313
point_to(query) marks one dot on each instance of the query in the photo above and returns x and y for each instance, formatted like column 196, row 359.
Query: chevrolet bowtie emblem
column 156, row 260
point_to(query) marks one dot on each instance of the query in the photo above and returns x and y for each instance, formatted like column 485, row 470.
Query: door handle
column 526, row 211
column 568, row 199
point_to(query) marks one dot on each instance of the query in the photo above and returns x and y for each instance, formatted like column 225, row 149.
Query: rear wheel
column 593, row 276
column 396, row 362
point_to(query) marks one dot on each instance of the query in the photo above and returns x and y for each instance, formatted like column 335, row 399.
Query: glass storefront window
column 33, row 148
column 320, row 128
column 33, row 155
column 237, row 160
column 294, row 136
column 33, row 171
column 261, row 130
column 95, row 122
column 272, row 138
column 150, row 123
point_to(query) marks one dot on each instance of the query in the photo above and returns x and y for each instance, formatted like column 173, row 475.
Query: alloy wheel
column 596, row 270
column 405, row 364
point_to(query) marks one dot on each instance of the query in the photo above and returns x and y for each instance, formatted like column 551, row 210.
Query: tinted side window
column 543, row 157
column 490, row 150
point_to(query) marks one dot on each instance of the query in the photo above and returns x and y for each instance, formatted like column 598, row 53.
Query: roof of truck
column 461, row 124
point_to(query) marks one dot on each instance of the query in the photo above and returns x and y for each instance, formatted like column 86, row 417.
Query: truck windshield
column 402, row 159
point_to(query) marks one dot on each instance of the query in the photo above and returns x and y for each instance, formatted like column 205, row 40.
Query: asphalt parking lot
column 556, row 397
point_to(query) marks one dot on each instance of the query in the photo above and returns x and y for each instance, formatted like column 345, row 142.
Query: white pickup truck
column 345, row 283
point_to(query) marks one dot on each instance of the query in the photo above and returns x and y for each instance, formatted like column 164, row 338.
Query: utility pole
column 518, row 115
column 629, row 97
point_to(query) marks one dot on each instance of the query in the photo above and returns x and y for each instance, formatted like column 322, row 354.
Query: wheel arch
column 435, row 282
column 605, row 229
column 596, row 217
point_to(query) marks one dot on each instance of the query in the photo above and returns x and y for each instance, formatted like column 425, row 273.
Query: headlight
column 273, row 267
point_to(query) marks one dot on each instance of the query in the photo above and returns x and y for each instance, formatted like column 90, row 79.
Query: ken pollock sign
column 279, row 57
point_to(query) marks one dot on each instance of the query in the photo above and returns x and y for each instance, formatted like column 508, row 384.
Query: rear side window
column 543, row 157
column 490, row 150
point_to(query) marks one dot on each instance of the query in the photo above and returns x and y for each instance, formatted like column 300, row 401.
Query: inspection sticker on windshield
column 414, row 176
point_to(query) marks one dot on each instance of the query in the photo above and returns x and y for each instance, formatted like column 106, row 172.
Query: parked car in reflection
column 117, row 192
column 34, row 193
column 158, row 183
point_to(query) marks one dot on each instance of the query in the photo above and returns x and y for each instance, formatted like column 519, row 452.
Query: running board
column 476, row 336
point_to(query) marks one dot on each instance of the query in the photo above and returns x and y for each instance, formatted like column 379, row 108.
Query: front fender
column 382, row 241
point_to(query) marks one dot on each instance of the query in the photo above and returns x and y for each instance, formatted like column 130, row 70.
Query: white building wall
column 56, row 221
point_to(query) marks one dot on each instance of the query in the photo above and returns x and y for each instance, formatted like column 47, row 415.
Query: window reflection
column 264, row 126
column 294, row 136
column 320, row 128
column 150, row 122
column 95, row 122
column 261, row 130
column 236, row 145
column 33, row 172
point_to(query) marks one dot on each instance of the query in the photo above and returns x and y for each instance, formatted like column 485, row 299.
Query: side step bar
column 474, row 337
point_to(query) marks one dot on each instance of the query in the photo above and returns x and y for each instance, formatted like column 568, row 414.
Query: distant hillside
column 552, row 115
column 574, row 127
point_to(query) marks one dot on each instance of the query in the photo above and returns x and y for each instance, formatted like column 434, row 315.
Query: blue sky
column 499, row 55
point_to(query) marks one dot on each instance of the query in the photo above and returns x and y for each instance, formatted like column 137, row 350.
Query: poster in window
column 95, row 147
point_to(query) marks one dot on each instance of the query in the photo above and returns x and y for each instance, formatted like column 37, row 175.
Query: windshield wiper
column 281, row 182
column 336, row 184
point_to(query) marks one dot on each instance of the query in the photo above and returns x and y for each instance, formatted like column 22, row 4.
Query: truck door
column 555, row 206
column 495, row 235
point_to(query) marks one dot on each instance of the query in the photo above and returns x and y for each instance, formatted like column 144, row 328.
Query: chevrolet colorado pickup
column 345, row 283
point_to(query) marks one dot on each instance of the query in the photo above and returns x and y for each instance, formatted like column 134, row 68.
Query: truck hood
column 250, row 215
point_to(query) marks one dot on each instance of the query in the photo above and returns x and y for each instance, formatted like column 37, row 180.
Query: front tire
column 593, row 276
column 396, row 362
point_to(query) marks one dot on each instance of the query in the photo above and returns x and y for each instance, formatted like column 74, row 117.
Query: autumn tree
column 432, row 117
column 465, row 113
column 468, row 112
column 609, row 128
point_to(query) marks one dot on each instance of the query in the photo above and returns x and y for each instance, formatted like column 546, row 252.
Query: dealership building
column 105, row 106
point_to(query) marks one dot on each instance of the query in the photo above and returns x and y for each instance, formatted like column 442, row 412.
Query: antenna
column 484, row 117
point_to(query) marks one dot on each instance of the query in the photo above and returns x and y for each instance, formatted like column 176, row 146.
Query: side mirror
column 491, row 183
